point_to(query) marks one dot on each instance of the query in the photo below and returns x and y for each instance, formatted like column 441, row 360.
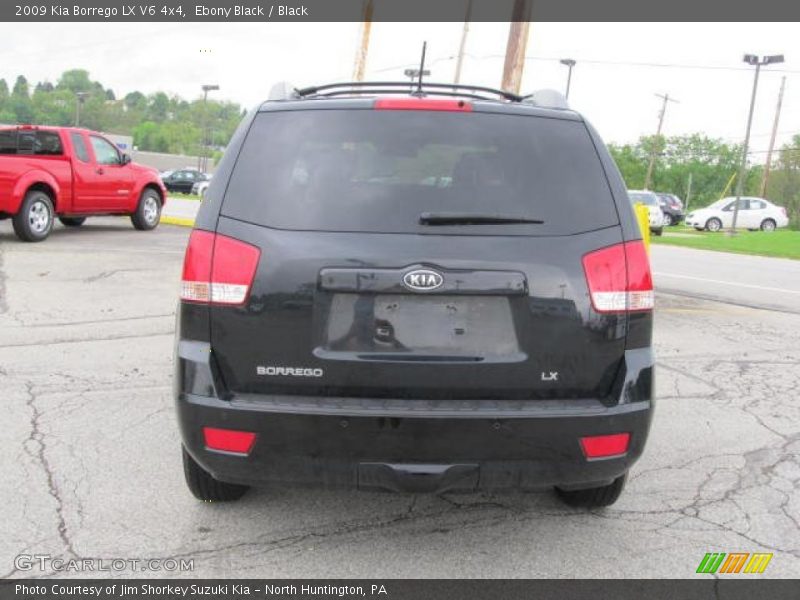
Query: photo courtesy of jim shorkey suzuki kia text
column 194, row 590
column 373, row 290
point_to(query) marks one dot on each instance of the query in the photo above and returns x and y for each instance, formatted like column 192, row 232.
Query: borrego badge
column 423, row 280
column 288, row 371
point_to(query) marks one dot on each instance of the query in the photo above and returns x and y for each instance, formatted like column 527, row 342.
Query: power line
column 625, row 63
column 779, row 150
column 617, row 63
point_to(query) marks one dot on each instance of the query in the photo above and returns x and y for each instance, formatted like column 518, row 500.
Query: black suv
column 183, row 180
column 672, row 207
column 415, row 292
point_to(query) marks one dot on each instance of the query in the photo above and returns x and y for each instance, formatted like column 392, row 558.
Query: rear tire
column 597, row 497
column 72, row 221
column 768, row 225
column 658, row 231
column 34, row 220
column 148, row 211
column 204, row 487
column 713, row 224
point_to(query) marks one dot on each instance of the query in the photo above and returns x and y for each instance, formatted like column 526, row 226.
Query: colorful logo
column 736, row 562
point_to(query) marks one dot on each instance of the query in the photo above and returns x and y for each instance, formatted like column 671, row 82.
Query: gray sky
column 245, row 59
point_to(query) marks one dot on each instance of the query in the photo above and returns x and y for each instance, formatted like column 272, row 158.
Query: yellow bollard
column 643, row 216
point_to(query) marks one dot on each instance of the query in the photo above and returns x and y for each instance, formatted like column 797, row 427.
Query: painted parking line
column 731, row 283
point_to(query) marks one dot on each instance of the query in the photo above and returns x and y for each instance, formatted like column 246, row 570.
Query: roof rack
column 405, row 87
column 542, row 98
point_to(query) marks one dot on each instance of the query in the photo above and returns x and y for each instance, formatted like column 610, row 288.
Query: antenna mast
column 421, row 68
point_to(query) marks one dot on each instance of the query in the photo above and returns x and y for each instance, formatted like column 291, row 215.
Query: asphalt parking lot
column 91, row 462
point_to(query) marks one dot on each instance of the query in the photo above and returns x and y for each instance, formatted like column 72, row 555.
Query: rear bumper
column 530, row 445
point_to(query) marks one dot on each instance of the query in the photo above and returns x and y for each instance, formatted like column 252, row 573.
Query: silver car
column 650, row 199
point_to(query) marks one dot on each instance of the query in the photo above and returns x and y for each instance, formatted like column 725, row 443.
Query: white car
column 650, row 200
column 754, row 213
column 199, row 188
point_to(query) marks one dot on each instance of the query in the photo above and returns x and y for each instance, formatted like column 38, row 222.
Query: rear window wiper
column 457, row 218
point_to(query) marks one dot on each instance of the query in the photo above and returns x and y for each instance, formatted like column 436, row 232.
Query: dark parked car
column 183, row 180
column 415, row 293
column 672, row 207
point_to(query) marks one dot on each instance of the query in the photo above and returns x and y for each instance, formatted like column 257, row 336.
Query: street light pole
column 569, row 63
column 202, row 161
column 757, row 62
column 80, row 98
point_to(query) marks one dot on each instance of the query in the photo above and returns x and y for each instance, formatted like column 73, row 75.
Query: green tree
column 20, row 101
column 158, row 122
column 135, row 101
column 76, row 80
column 5, row 112
column 711, row 163
column 784, row 181
column 53, row 107
column 21, row 87
column 158, row 107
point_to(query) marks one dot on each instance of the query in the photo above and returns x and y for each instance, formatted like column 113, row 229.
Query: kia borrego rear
column 415, row 293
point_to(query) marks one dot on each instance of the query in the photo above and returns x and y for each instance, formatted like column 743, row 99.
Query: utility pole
column 463, row 44
column 363, row 47
column 654, row 152
column 772, row 139
column 757, row 62
column 202, row 161
column 688, row 194
column 515, row 49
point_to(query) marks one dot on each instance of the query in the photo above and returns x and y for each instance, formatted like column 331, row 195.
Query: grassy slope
column 783, row 243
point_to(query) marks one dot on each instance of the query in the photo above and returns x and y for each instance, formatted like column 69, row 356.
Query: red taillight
column 783, row 210
column 229, row 440
column 422, row 104
column 218, row 269
column 619, row 278
column 602, row 446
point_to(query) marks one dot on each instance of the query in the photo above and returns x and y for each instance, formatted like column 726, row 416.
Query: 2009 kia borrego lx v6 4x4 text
column 416, row 293
column 73, row 174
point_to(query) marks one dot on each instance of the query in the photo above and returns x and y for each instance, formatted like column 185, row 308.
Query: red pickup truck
column 48, row 172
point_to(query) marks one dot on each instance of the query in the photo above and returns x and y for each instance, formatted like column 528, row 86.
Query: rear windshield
column 378, row 170
column 41, row 143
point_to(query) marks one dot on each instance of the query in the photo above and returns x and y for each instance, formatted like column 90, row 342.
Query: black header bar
column 395, row 10
column 702, row 587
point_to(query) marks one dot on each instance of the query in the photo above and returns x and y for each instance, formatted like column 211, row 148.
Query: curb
column 180, row 221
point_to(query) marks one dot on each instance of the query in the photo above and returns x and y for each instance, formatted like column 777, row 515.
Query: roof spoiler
column 283, row 90
column 547, row 99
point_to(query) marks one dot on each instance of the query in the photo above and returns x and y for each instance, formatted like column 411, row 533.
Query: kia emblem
column 422, row 280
